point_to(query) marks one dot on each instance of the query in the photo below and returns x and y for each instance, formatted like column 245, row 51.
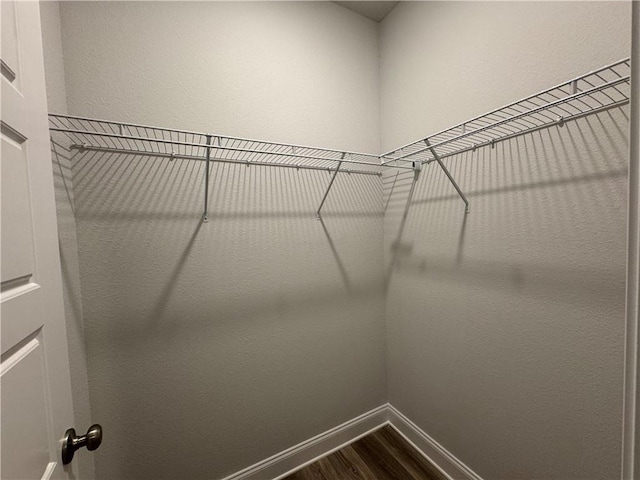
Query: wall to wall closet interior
column 213, row 346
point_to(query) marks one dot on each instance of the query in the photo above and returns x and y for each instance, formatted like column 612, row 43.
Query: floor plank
column 381, row 455
column 410, row 458
column 356, row 468
column 379, row 459
column 315, row 471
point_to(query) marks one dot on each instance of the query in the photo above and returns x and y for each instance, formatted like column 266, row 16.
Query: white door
column 36, row 406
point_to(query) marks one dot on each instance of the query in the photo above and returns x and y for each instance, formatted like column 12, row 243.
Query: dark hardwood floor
column 381, row 455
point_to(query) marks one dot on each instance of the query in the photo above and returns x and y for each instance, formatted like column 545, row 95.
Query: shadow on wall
column 155, row 205
column 72, row 295
column 228, row 326
column 66, row 220
column 554, row 179
column 506, row 326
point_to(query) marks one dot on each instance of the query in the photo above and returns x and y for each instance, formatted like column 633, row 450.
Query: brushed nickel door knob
column 71, row 442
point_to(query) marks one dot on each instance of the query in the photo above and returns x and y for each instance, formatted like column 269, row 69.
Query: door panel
column 34, row 362
column 17, row 234
column 9, row 50
column 21, row 309
column 25, row 446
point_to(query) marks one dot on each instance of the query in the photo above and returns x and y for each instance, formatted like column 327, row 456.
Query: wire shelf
column 88, row 134
column 602, row 89
column 596, row 91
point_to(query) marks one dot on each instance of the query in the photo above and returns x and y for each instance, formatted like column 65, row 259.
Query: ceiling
column 376, row 11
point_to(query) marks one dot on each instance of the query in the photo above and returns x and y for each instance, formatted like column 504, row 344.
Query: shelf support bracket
column 390, row 192
column 329, row 187
column 449, row 176
column 417, row 168
column 205, row 216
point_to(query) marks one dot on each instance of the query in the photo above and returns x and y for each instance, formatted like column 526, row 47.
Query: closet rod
column 204, row 145
column 173, row 156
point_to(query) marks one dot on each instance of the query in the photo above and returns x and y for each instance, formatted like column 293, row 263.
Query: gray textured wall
column 214, row 346
column 505, row 327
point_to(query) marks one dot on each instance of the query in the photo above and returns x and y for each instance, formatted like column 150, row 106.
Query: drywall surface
column 213, row 346
column 63, row 183
column 505, row 326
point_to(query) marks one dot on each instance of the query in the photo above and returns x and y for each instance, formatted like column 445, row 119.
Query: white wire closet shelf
column 110, row 136
column 596, row 91
column 89, row 134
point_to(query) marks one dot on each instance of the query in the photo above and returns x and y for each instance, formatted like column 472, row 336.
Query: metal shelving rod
column 204, row 145
column 297, row 166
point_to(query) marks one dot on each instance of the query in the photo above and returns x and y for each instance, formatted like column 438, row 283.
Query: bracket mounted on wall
column 205, row 215
column 326, row 193
column 448, row 174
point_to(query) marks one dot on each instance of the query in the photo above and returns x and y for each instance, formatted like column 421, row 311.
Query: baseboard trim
column 448, row 463
column 288, row 461
column 299, row 456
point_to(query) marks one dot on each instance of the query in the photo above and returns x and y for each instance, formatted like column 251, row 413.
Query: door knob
column 71, row 442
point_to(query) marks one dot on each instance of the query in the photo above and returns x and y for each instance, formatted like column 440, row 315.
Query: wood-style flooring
column 381, row 455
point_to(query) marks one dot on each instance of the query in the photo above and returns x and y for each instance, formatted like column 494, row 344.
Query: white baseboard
column 299, row 456
column 436, row 453
column 286, row 462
